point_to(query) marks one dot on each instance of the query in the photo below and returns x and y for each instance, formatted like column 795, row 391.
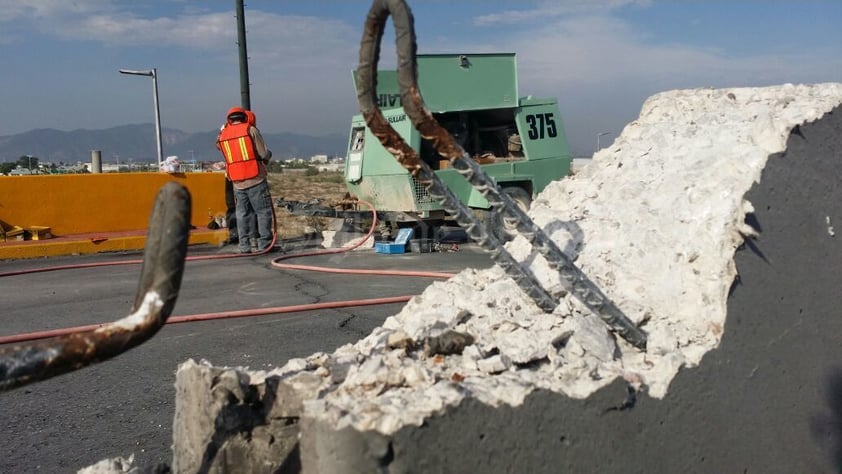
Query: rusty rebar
column 160, row 279
column 408, row 157
column 572, row 278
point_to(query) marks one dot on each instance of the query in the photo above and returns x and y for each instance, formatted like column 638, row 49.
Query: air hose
column 275, row 263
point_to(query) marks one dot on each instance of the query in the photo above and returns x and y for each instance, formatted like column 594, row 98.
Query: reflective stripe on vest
column 238, row 148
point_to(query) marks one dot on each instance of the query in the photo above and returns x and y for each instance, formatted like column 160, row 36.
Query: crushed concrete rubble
column 654, row 220
column 117, row 465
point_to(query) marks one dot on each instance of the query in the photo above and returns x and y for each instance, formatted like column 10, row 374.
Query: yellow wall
column 113, row 202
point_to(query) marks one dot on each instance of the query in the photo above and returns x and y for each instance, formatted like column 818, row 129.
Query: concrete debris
column 229, row 421
column 399, row 340
column 494, row 364
column 649, row 222
column 447, row 343
column 654, row 219
column 118, row 465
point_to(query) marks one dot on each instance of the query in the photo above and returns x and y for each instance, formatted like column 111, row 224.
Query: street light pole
column 153, row 73
column 598, row 135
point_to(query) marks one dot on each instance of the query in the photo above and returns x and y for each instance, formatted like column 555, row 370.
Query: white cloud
column 202, row 31
column 18, row 17
column 550, row 10
column 109, row 23
column 607, row 53
column 13, row 10
column 300, row 67
column 304, row 41
column 601, row 68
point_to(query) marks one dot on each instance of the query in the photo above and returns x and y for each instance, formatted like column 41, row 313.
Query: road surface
column 125, row 406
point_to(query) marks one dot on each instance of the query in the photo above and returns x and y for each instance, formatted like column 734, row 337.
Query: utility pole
column 244, row 62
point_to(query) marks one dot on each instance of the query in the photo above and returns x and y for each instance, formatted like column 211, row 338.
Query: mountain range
column 137, row 143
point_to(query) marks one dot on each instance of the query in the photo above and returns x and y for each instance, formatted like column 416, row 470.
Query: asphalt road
column 125, row 406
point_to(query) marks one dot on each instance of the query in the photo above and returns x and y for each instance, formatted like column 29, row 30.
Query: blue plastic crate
column 398, row 246
column 389, row 247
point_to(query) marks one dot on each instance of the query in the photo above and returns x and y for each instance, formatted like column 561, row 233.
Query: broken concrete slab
column 662, row 221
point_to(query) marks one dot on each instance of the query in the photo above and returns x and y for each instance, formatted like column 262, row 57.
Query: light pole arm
column 153, row 73
column 157, row 117
column 136, row 72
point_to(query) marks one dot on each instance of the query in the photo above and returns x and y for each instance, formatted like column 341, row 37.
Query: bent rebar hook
column 572, row 278
column 160, row 279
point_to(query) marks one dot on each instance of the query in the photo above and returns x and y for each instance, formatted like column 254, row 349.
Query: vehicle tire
column 503, row 228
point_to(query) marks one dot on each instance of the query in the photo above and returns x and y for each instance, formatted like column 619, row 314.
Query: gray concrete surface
column 768, row 400
column 125, row 406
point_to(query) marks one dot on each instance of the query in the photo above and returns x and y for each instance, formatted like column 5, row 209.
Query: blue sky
column 600, row 58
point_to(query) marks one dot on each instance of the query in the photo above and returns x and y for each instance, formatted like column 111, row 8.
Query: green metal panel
column 480, row 82
column 457, row 82
column 532, row 175
column 378, row 161
column 541, row 129
column 385, row 183
column 540, row 172
column 457, row 183
column 387, row 192
column 356, row 149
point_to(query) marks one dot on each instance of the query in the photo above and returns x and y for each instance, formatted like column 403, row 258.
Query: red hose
column 69, row 267
column 139, row 261
column 211, row 316
column 246, row 312
column 352, row 271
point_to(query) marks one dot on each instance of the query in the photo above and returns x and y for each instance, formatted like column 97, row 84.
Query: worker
column 246, row 155
column 231, row 204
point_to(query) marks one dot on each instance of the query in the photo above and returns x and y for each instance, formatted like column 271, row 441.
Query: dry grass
column 295, row 185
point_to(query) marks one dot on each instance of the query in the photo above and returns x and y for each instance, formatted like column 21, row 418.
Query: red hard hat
column 238, row 112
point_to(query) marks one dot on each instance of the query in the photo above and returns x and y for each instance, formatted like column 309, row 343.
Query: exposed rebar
column 160, row 279
column 572, row 278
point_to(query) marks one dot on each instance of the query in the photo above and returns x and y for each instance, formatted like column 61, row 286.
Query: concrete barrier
column 83, row 203
column 88, row 213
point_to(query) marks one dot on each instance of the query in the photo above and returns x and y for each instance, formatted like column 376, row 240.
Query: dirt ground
column 326, row 188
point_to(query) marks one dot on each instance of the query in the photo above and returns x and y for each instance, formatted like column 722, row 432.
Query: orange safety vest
column 238, row 148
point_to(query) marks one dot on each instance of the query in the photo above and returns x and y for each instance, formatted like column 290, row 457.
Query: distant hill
column 137, row 142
